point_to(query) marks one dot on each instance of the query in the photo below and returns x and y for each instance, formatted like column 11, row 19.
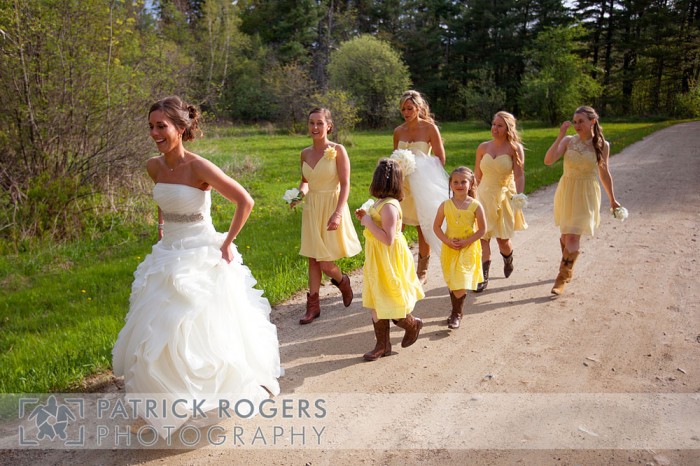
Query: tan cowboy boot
column 422, row 268
column 566, row 271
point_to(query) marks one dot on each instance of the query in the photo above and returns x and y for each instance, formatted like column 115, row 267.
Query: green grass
column 62, row 306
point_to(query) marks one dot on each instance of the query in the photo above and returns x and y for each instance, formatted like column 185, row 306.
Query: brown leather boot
column 566, row 271
column 345, row 289
column 412, row 325
column 482, row 286
column 422, row 268
column 383, row 347
column 313, row 308
column 508, row 264
column 456, row 315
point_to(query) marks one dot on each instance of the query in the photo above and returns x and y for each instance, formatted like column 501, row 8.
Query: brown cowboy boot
column 345, row 289
column 412, row 325
column 313, row 308
column 422, row 268
column 383, row 347
column 456, row 315
column 566, row 271
column 507, row 264
column 482, row 286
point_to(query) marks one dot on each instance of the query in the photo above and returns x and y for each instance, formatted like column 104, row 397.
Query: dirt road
column 608, row 373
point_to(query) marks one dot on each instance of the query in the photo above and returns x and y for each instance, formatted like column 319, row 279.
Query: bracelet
column 160, row 226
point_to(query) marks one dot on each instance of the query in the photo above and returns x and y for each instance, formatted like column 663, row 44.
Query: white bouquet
column 366, row 206
column 292, row 195
column 619, row 213
column 519, row 201
column 406, row 159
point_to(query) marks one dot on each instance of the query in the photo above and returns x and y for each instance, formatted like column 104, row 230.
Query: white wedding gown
column 428, row 188
column 196, row 328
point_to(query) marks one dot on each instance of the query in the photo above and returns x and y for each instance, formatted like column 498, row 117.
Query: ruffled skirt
column 196, row 329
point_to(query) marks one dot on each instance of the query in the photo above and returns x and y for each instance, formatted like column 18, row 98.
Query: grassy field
column 62, row 306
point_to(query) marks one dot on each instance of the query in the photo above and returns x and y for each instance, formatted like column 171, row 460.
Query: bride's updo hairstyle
column 420, row 102
column 181, row 114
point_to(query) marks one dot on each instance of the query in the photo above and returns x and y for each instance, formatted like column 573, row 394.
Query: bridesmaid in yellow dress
column 466, row 224
column 390, row 287
column 500, row 174
column 419, row 134
column 577, row 199
column 327, row 232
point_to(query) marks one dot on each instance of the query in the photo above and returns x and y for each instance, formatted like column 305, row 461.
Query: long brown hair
column 598, row 138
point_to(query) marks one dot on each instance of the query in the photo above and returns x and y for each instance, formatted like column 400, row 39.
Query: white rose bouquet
column 406, row 159
column 519, row 201
column 620, row 213
column 292, row 195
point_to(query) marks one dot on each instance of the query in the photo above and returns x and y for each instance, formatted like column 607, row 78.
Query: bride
column 427, row 187
column 196, row 328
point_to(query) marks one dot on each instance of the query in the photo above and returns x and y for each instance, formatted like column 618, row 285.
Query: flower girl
column 390, row 287
column 466, row 224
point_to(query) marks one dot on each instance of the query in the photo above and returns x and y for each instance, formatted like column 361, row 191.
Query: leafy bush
column 71, row 104
column 373, row 74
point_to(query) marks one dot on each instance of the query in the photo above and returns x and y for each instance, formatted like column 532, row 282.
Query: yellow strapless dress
column 577, row 199
column 319, row 204
column 390, row 284
column 408, row 204
column 461, row 269
column 494, row 192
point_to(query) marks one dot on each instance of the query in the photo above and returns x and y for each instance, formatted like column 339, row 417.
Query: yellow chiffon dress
column 319, row 204
column 408, row 204
column 461, row 269
column 390, row 284
column 496, row 188
column 577, row 199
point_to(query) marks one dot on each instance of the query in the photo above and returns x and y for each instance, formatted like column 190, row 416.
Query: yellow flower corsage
column 329, row 153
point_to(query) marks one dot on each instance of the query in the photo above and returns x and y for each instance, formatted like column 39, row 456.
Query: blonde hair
column 512, row 134
column 466, row 171
column 420, row 102
column 598, row 138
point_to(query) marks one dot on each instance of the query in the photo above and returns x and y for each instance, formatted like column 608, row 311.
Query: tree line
column 76, row 76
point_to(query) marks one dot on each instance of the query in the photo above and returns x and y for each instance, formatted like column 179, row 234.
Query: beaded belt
column 183, row 218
